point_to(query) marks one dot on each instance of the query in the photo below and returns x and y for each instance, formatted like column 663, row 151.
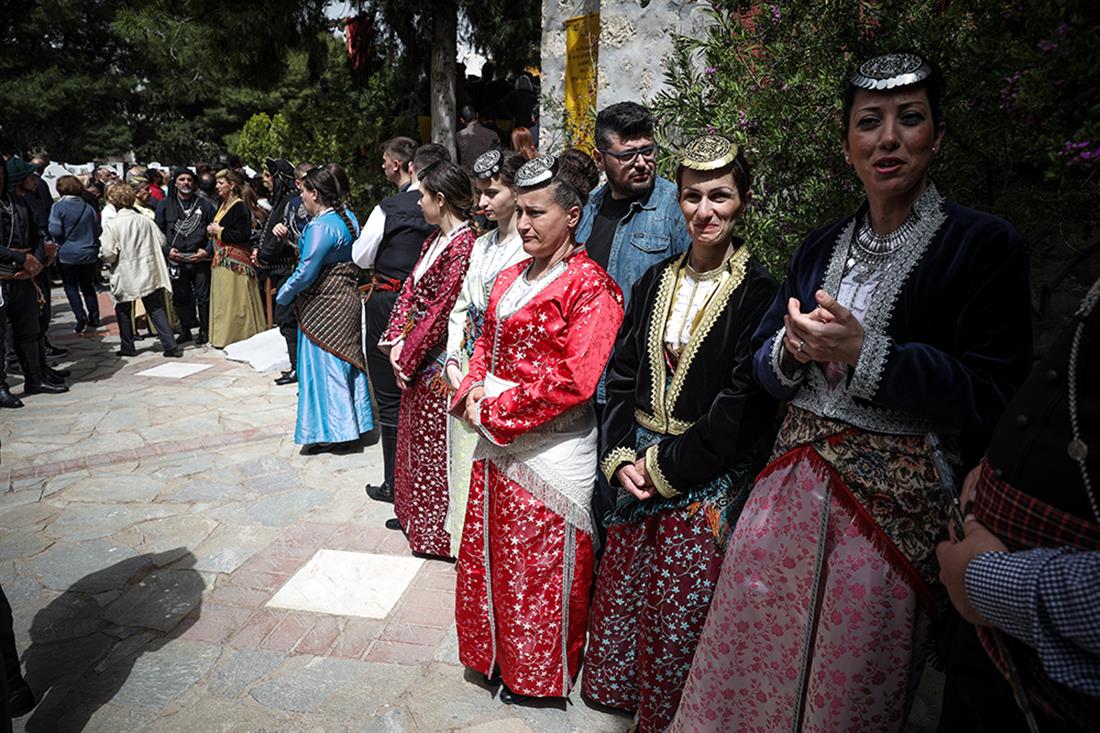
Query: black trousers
column 154, row 306
column 191, row 296
column 79, row 280
column 387, row 395
column 286, row 318
column 9, row 657
column 23, row 316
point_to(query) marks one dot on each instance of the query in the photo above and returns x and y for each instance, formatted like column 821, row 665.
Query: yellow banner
column 582, row 45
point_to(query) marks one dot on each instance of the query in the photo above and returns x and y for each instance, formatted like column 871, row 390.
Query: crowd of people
column 730, row 496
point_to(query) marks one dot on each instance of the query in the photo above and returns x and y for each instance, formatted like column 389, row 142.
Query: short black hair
column 467, row 114
column 625, row 119
column 428, row 155
column 400, row 148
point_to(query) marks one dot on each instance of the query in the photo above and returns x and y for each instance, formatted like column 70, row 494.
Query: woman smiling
column 684, row 430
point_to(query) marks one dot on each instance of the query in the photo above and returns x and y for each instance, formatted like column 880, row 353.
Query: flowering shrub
column 1023, row 117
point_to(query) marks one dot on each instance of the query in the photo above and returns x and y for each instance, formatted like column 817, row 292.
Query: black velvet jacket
column 712, row 413
column 947, row 336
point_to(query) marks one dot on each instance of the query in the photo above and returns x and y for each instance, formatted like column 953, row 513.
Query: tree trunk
column 444, row 52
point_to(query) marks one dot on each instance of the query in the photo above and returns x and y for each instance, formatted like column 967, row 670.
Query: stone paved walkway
column 147, row 522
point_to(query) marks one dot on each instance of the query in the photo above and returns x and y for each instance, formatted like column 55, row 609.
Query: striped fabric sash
column 329, row 313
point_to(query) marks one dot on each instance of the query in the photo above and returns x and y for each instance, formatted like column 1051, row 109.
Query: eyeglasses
column 627, row 156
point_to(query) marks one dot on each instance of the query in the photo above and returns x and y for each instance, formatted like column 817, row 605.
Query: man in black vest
column 183, row 217
column 390, row 244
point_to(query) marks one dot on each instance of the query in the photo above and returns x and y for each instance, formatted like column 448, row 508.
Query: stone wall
column 634, row 44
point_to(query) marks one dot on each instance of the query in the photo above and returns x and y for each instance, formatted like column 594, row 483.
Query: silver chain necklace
column 1078, row 449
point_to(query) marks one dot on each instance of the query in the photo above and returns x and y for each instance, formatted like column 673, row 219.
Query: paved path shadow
column 87, row 641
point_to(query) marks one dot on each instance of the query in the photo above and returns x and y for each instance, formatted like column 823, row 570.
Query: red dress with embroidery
column 525, row 563
column 419, row 318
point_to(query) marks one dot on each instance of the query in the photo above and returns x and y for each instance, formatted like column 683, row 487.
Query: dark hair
column 399, row 148
column 324, row 182
column 933, row 87
column 235, row 161
column 466, row 113
column 510, row 163
column 206, row 182
column 429, row 155
column 625, row 119
column 739, row 167
column 342, row 180
column 455, row 184
column 581, row 167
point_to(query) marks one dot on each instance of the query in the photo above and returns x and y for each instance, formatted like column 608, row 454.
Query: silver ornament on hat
column 536, row 171
column 890, row 71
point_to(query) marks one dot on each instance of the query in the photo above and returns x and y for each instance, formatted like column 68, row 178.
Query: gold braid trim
column 665, row 292
column 738, row 265
column 653, row 468
column 614, row 460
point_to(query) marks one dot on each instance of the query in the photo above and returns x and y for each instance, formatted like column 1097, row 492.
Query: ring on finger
column 801, row 343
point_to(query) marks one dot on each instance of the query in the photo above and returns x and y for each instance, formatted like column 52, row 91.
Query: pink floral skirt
column 811, row 628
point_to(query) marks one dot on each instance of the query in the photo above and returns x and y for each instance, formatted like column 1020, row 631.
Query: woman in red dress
column 525, row 563
column 416, row 340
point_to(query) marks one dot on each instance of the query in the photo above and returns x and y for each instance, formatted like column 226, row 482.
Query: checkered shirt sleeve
column 1047, row 599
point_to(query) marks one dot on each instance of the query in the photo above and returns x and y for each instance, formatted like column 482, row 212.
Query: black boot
column 36, row 382
column 7, row 399
column 184, row 337
column 290, row 377
column 55, row 351
column 389, row 452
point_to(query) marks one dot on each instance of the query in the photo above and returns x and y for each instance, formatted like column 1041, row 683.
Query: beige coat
column 131, row 245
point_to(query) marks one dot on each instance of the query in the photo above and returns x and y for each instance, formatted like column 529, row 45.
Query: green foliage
column 1023, row 117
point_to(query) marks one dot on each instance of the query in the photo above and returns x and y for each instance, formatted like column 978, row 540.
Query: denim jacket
column 652, row 231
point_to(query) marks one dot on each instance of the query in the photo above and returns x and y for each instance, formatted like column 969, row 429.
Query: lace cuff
column 777, row 362
column 653, row 468
column 867, row 374
column 615, row 459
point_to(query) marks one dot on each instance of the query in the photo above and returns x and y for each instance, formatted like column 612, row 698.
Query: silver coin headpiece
column 890, row 71
column 535, row 171
column 488, row 164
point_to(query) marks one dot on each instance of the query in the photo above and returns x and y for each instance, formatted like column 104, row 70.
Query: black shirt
column 612, row 211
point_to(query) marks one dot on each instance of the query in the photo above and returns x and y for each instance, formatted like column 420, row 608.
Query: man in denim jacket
column 632, row 222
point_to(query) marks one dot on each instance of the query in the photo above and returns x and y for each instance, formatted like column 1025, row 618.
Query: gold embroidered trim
column 738, row 265
column 659, row 422
column 614, row 460
column 653, row 468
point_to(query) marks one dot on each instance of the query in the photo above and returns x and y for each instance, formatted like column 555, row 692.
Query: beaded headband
column 535, row 171
column 890, row 71
column 488, row 164
column 708, row 153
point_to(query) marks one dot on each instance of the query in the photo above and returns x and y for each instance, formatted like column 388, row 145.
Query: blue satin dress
column 333, row 396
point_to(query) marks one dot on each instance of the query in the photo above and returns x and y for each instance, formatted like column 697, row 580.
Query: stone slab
column 348, row 584
column 159, row 601
column 174, row 370
column 93, row 566
column 305, row 688
column 243, row 669
column 160, row 675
